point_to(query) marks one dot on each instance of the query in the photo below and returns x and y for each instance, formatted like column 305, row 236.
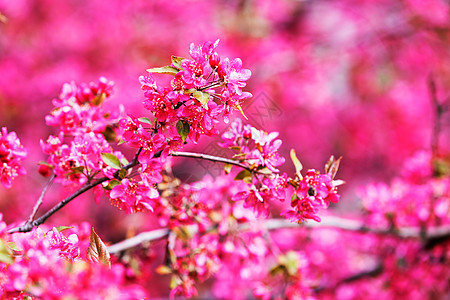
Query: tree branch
column 30, row 225
column 331, row 222
column 438, row 110
column 139, row 239
column 374, row 272
column 40, row 200
column 210, row 158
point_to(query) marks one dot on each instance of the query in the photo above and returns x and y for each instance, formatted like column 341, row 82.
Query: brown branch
column 40, row 200
column 331, row 222
column 211, row 158
column 374, row 272
column 30, row 225
column 136, row 240
column 438, row 110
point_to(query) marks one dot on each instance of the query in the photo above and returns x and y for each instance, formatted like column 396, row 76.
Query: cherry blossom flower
column 132, row 197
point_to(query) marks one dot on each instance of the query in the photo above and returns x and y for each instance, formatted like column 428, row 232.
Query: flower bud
column 44, row 170
column 214, row 59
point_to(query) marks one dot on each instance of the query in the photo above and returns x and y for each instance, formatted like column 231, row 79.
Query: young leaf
column 61, row 228
column 122, row 173
column 164, row 70
column 332, row 166
column 111, row 184
column 163, row 270
column 76, row 170
column 145, row 120
column 297, row 163
column 111, row 160
column 203, row 97
column 176, row 61
column 99, row 99
column 183, row 129
column 265, row 171
column 5, row 253
column 239, row 108
column 244, row 175
column 97, row 251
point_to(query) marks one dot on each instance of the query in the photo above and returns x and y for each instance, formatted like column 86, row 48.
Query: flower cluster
column 84, row 130
column 192, row 259
column 49, row 266
column 256, row 147
column 314, row 191
column 415, row 198
column 204, row 87
column 206, row 237
column 259, row 151
column 67, row 245
column 131, row 196
column 11, row 155
column 286, row 279
column 79, row 108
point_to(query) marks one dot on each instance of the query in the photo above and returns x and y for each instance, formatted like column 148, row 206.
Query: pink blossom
column 133, row 197
column 12, row 153
column 315, row 192
column 68, row 246
column 233, row 75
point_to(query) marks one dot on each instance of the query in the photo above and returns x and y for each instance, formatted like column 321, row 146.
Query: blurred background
column 346, row 77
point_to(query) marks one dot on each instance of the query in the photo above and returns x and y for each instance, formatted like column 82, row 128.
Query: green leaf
column 239, row 108
column 265, row 171
column 122, row 173
column 13, row 246
column 203, row 97
column 189, row 91
column 76, row 170
column 164, row 70
column 5, row 253
column 97, row 251
column 277, row 269
column 111, row 184
column 175, row 281
column 163, row 270
column 111, row 160
column 291, row 263
column 121, row 141
column 176, row 61
column 244, row 175
column 183, row 129
column 61, row 228
column 145, row 120
column 297, row 164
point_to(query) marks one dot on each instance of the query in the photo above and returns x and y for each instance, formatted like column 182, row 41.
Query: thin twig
column 438, row 110
column 40, row 200
column 211, row 158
